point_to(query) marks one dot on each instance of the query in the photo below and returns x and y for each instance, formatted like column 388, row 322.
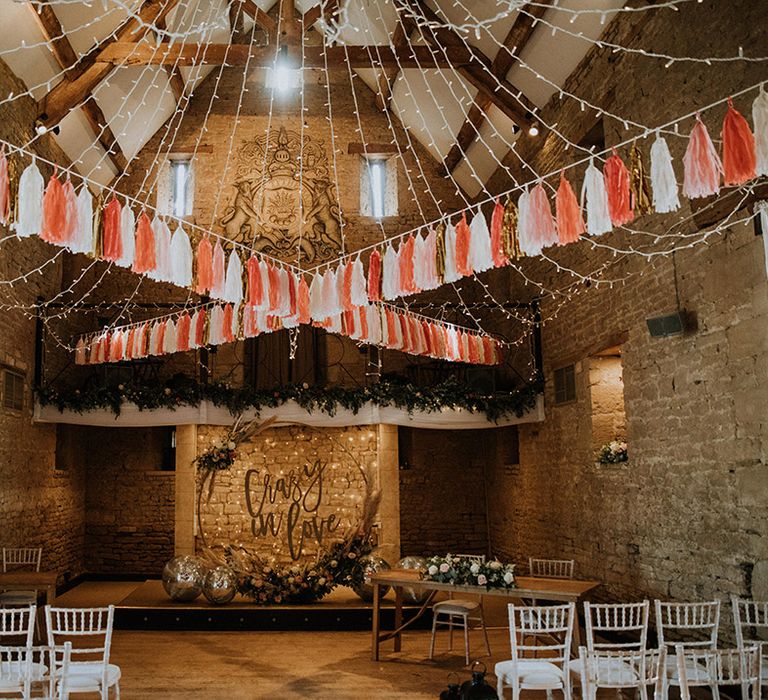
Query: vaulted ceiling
column 127, row 64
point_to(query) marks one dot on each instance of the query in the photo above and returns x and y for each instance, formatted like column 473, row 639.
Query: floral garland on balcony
column 390, row 391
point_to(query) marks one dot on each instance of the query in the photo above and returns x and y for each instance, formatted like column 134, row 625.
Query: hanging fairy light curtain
column 333, row 295
column 378, row 324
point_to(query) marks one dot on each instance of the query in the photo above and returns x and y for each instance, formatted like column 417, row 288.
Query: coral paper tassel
column 304, row 314
column 70, row 228
column 497, row 236
column 617, row 186
column 182, row 332
column 702, row 164
column 145, row 245
column 374, row 276
column 739, row 158
column 346, row 287
column 255, row 287
column 570, row 222
column 463, row 239
column 204, row 265
column 5, row 189
column 54, row 211
column 112, row 240
column 406, row 262
column 219, row 271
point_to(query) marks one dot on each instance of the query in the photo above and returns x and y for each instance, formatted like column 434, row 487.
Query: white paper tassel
column 764, row 225
column 162, row 271
column 480, row 257
column 390, row 274
column 663, row 181
column 331, row 301
column 233, row 286
column 181, row 258
column 760, row 124
column 284, row 309
column 215, row 327
column 127, row 236
column 419, row 259
column 598, row 214
column 315, row 297
column 80, row 355
column 523, row 219
column 450, row 254
column 169, row 339
column 82, row 241
column 29, row 218
column 373, row 317
column 359, row 284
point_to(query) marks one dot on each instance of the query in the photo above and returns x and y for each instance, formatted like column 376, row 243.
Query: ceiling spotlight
column 533, row 130
column 283, row 76
column 40, row 127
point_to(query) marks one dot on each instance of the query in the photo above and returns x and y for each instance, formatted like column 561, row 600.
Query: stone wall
column 686, row 517
column 39, row 505
column 129, row 500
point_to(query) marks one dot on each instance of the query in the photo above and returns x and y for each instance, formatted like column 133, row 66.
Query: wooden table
column 560, row 590
column 30, row 580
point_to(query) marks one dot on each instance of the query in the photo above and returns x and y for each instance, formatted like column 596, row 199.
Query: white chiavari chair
column 20, row 559
column 698, row 667
column 620, row 669
column 750, row 619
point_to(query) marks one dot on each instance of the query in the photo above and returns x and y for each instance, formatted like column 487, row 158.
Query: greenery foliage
column 462, row 571
column 390, row 391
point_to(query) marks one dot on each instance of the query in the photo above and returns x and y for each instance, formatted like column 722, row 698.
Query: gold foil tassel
column 509, row 243
column 638, row 183
column 440, row 251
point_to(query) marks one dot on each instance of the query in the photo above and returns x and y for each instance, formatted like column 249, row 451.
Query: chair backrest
column 621, row 668
column 20, row 668
column 617, row 618
column 91, row 625
column 750, row 618
column 18, row 622
column 698, row 667
column 692, row 624
column 19, row 558
column 551, row 568
column 543, row 631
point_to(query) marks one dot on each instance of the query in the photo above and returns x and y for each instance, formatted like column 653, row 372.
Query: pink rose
column 444, row 568
column 481, row 580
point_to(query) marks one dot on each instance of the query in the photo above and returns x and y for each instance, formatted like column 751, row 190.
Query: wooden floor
column 250, row 665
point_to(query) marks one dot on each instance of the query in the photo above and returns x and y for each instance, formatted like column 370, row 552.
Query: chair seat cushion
column 533, row 673
column 610, row 671
column 695, row 673
column 13, row 671
column 87, row 674
column 458, row 607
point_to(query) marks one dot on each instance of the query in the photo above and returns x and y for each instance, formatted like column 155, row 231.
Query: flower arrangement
column 613, row 452
column 221, row 455
column 462, row 571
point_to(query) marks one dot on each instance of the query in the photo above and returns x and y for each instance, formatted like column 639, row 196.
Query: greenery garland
column 390, row 391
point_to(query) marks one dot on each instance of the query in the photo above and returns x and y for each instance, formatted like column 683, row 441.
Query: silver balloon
column 413, row 595
column 371, row 564
column 220, row 585
column 183, row 578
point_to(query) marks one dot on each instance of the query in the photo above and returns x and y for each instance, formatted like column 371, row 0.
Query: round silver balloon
column 371, row 564
column 183, row 578
column 220, row 585
column 411, row 595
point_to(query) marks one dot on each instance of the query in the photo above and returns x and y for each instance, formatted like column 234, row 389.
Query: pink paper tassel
column 702, row 164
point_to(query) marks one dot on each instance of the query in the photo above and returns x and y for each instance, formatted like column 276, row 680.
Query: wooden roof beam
column 477, row 71
column 83, row 77
column 66, row 57
column 384, row 56
column 386, row 78
column 518, row 36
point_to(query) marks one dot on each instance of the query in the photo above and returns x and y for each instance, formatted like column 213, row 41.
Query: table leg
column 50, row 594
column 398, row 616
column 375, row 623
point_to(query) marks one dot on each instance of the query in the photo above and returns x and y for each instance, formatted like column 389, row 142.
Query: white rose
column 475, row 568
column 508, row 577
column 432, row 570
column 496, row 565
column 231, row 445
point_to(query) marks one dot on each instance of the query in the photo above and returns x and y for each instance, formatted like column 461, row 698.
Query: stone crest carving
column 278, row 209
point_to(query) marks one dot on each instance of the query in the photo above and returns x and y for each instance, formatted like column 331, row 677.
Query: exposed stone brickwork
column 38, row 504
column 686, row 516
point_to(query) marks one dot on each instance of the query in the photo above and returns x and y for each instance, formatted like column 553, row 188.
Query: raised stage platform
column 148, row 607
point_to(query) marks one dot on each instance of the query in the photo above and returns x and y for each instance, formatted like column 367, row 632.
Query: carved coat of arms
column 280, row 207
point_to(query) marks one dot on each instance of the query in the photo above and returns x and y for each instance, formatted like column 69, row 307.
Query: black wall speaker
column 662, row 326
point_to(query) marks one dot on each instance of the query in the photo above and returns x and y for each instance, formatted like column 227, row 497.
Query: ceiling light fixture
column 283, row 76
column 533, row 130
